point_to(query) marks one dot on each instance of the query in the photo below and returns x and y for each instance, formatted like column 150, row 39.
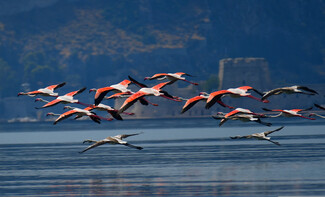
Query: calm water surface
column 184, row 157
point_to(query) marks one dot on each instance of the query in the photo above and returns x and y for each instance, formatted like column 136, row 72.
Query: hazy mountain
column 99, row 42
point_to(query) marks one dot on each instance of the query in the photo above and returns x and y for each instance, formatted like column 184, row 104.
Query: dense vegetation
column 100, row 42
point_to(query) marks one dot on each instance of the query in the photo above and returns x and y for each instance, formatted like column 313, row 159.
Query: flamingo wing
column 76, row 92
column 141, row 85
column 320, row 107
column 53, row 87
column 272, row 92
column 125, row 83
column 214, row 97
column 161, row 85
column 269, row 132
column 191, row 102
column 52, row 103
column 157, row 76
column 126, row 135
column 65, row 115
column 307, row 89
column 131, row 100
column 101, row 142
column 101, row 93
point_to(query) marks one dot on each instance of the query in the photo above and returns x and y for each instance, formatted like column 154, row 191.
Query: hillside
column 100, row 42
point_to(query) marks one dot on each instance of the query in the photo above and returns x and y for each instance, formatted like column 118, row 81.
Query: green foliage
column 7, row 79
column 39, row 68
column 210, row 84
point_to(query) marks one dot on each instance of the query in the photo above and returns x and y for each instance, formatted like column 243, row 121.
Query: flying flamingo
column 145, row 91
column 118, row 139
column 289, row 90
column 47, row 91
column 241, row 114
column 233, row 92
column 203, row 96
column 172, row 77
column 101, row 92
column 192, row 101
column 67, row 98
column 260, row 136
column 79, row 113
column 289, row 113
column 109, row 109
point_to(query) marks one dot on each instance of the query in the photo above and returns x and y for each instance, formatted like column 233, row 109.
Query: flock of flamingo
column 121, row 90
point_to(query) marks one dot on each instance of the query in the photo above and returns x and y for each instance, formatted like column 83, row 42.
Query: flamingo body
column 47, row 91
column 118, row 139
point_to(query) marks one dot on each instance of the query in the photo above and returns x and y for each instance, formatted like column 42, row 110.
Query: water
column 183, row 157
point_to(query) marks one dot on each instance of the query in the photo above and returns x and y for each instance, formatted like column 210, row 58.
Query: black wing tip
column 265, row 109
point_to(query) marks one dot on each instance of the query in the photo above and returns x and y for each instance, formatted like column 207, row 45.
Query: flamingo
column 118, row 139
column 47, row 91
column 172, row 77
column 289, row 90
column 244, row 117
column 289, row 113
column 260, row 136
column 242, row 111
column 192, row 101
column 67, row 98
column 233, row 92
column 203, row 96
column 145, row 91
column 101, row 92
column 79, row 113
column 109, row 109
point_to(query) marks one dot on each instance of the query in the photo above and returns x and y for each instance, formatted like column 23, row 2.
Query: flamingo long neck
column 319, row 115
column 84, row 104
column 253, row 97
column 190, row 82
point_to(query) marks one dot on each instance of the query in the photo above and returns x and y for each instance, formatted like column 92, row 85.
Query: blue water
column 182, row 157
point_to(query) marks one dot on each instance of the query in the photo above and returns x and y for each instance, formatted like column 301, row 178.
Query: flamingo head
column 20, row 93
column 203, row 93
column 265, row 101
column 93, row 90
column 50, row 114
column 67, row 107
column 146, row 78
column 39, row 99
column 311, row 114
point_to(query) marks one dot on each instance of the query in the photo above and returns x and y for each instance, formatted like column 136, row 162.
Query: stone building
column 235, row 72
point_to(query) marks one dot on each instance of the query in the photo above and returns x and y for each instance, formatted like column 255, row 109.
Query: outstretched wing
column 131, row 100
column 191, row 102
column 141, row 85
column 65, row 115
column 269, row 132
column 101, row 142
column 53, row 87
column 76, row 92
column 277, row 143
column 101, row 93
column 122, row 136
column 51, row 103
column 307, row 89
column 320, row 107
column 132, row 146
column 214, row 97
column 271, row 92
